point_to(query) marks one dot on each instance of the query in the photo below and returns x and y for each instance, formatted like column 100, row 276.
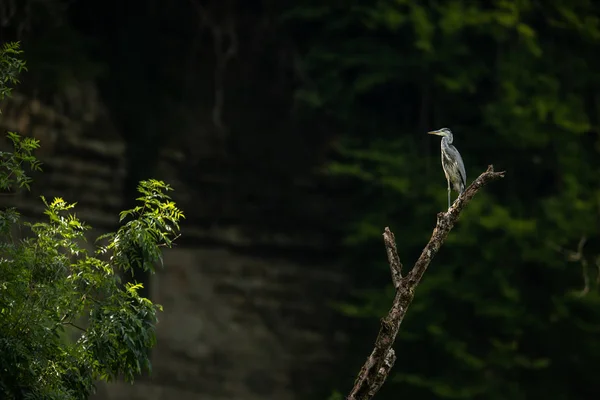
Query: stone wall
column 246, row 311
column 237, row 327
column 78, row 164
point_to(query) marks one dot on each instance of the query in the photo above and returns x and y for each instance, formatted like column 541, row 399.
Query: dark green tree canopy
column 504, row 312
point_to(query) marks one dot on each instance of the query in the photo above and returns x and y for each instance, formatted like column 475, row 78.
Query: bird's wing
column 456, row 160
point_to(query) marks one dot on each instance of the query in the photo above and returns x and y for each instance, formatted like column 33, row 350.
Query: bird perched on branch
column 452, row 162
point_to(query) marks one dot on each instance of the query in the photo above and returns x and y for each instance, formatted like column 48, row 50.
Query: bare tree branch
column 379, row 363
column 225, row 42
column 393, row 259
column 578, row 256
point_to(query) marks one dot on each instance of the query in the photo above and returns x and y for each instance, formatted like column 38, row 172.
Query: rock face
column 76, row 165
column 236, row 327
column 246, row 311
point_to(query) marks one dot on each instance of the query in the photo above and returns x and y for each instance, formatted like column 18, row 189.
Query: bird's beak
column 433, row 132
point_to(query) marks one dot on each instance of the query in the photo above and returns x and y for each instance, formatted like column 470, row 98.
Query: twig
column 378, row 365
column 74, row 326
column 578, row 256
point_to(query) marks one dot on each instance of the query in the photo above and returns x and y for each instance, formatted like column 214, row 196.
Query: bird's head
column 445, row 132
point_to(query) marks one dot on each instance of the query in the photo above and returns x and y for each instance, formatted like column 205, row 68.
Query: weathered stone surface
column 246, row 311
column 76, row 166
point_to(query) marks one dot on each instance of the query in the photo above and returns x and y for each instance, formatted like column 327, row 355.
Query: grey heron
column 452, row 163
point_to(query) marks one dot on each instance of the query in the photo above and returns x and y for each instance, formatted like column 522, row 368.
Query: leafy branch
column 50, row 283
column 10, row 67
column 11, row 163
column 152, row 225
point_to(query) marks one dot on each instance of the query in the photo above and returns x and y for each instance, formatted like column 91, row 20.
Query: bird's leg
column 448, row 193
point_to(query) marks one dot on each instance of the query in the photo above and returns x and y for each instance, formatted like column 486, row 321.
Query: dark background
column 308, row 119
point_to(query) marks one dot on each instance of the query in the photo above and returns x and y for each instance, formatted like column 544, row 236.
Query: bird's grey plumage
column 452, row 163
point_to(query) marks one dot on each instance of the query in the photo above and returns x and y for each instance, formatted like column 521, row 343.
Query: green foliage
column 10, row 67
column 500, row 314
column 65, row 318
column 50, row 282
column 154, row 224
column 12, row 163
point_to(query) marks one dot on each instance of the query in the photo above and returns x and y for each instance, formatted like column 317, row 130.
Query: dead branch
column 378, row 365
column 223, row 32
column 579, row 257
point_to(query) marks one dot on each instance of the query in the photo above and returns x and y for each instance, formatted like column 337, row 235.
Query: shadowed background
column 293, row 132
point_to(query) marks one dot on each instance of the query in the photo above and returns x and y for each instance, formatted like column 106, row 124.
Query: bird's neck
column 446, row 140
